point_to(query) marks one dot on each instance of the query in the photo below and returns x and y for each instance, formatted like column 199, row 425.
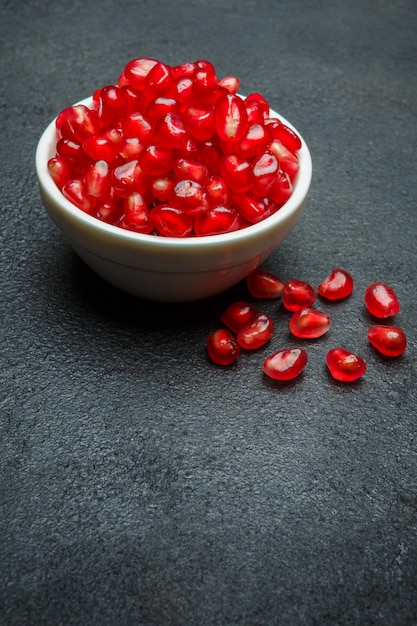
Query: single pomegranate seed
column 159, row 107
column 256, row 333
column 297, row 294
column 238, row 314
column 285, row 364
column 309, row 323
column 231, row 117
column 159, row 81
column 388, row 340
column 109, row 210
column 190, row 196
column 257, row 108
column 205, row 82
column 136, row 125
column 184, row 93
column 74, row 192
column 137, row 70
column 162, row 187
column 199, row 121
column 171, row 221
column 186, row 169
column 217, row 191
column 170, row 131
column 265, row 169
column 217, row 221
column 381, row 300
column 73, row 151
column 77, row 123
column 61, row 170
column 112, row 105
column 256, row 139
column 281, row 188
column 130, row 148
column 287, row 160
column 222, row 347
column 284, row 134
column 264, row 284
column 230, row 83
column 337, row 285
column 127, row 178
column 236, row 172
column 136, row 215
column 103, row 147
column 155, row 160
column 96, row 180
column 345, row 366
column 252, row 209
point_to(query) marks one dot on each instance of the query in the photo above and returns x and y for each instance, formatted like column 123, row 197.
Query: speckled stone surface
column 141, row 485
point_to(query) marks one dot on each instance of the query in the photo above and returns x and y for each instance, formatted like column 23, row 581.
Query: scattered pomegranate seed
column 222, row 347
column 381, row 300
column 297, row 294
column 388, row 340
column 238, row 314
column 263, row 284
column 285, row 364
column 345, row 366
column 337, row 285
column 309, row 323
column 256, row 333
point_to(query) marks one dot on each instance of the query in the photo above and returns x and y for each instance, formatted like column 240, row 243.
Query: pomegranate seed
column 265, row 170
column 252, row 209
column 287, row 160
column 199, row 121
column 345, row 366
column 217, row 221
column 159, row 81
column 103, row 147
column 96, row 180
column 162, row 187
column 136, row 125
column 222, row 347
column 137, row 70
column 159, row 107
column 186, row 169
column 285, row 364
column 190, row 196
column 284, row 134
column 337, row 285
column 236, row 172
column 263, row 284
column 204, row 79
column 170, row 131
column 136, row 214
column 109, row 210
column 73, row 151
column 61, row 170
column 230, row 83
column 127, row 178
column 256, row 333
column 74, row 192
column 309, row 323
column 256, row 138
column 238, row 314
column 297, row 294
column 171, row 221
column 130, row 148
column 231, row 117
column 257, row 108
column 155, row 160
column 388, row 340
column 77, row 123
column 217, row 191
column 381, row 300
column 281, row 188
column 112, row 105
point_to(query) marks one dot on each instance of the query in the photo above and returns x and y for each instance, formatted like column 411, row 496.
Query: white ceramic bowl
column 163, row 268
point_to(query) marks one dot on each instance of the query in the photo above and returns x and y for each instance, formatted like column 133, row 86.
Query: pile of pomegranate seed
column 175, row 151
column 249, row 329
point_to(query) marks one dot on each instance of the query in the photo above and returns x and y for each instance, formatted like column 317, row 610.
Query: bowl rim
column 46, row 149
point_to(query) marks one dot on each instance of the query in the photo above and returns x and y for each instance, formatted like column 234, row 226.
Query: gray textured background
column 140, row 485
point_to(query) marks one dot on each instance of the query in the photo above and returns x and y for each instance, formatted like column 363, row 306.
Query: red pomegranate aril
column 204, row 80
column 128, row 177
column 257, row 138
column 230, row 83
column 137, row 70
column 256, row 333
column 252, row 209
column 136, row 125
column 287, row 160
column 222, row 347
column 159, row 107
column 217, row 221
column 284, row 134
column 136, row 214
column 171, row 221
column 264, row 169
column 159, row 82
column 309, row 323
column 190, row 196
column 112, row 105
column 162, row 187
column 109, row 210
column 77, row 123
column 264, row 284
column 285, row 364
column 218, row 193
column 337, row 285
column 345, row 366
column 381, row 300
column 96, row 179
column 155, row 160
column 186, row 169
column 236, row 172
column 184, row 69
column 231, row 117
column 388, row 340
column 61, row 170
column 257, row 108
column 170, row 132
column 199, row 121
column 210, row 155
column 184, row 93
column 74, row 192
column 130, row 148
column 74, row 152
column 281, row 188
column 238, row 314
column 102, row 147
column 297, row 294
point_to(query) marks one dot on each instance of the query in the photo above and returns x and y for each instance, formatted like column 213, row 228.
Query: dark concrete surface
column 140, row 485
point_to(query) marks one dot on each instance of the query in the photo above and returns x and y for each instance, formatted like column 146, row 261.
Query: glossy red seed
column 73, row 151
column 337, row 285
column 162, row 187
column 388, row 340
column 256, row 139
column 264, row 169
column 345, row 366
column 284, row 134
column 199, row 121
column 190, row 196
column 257, row 108
column 77, row 123
column 222, row 347
column 136, row 71
column 217, row 221
column 236, row 172
column 136, row 125
column 74, row 192
column 252, row 209
column 231, row 83
column 297, row 294
column 96, row 179
column 103, row 147
column 170, row 132
column 128, row 177
column 264, row 284
column 256, row 333
column 281, row 188
column 218, row 193
column 288, row 161
column 61, row 170
column 309, row 323
column 155, row 160
column 285, row 364
column 171, row 221
column 136, row 214
column 238, row 314
column 231, row 117
column 381, row 300
column 159, row 107
column 112, row 105
column 159, row 81
column 187, row 169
